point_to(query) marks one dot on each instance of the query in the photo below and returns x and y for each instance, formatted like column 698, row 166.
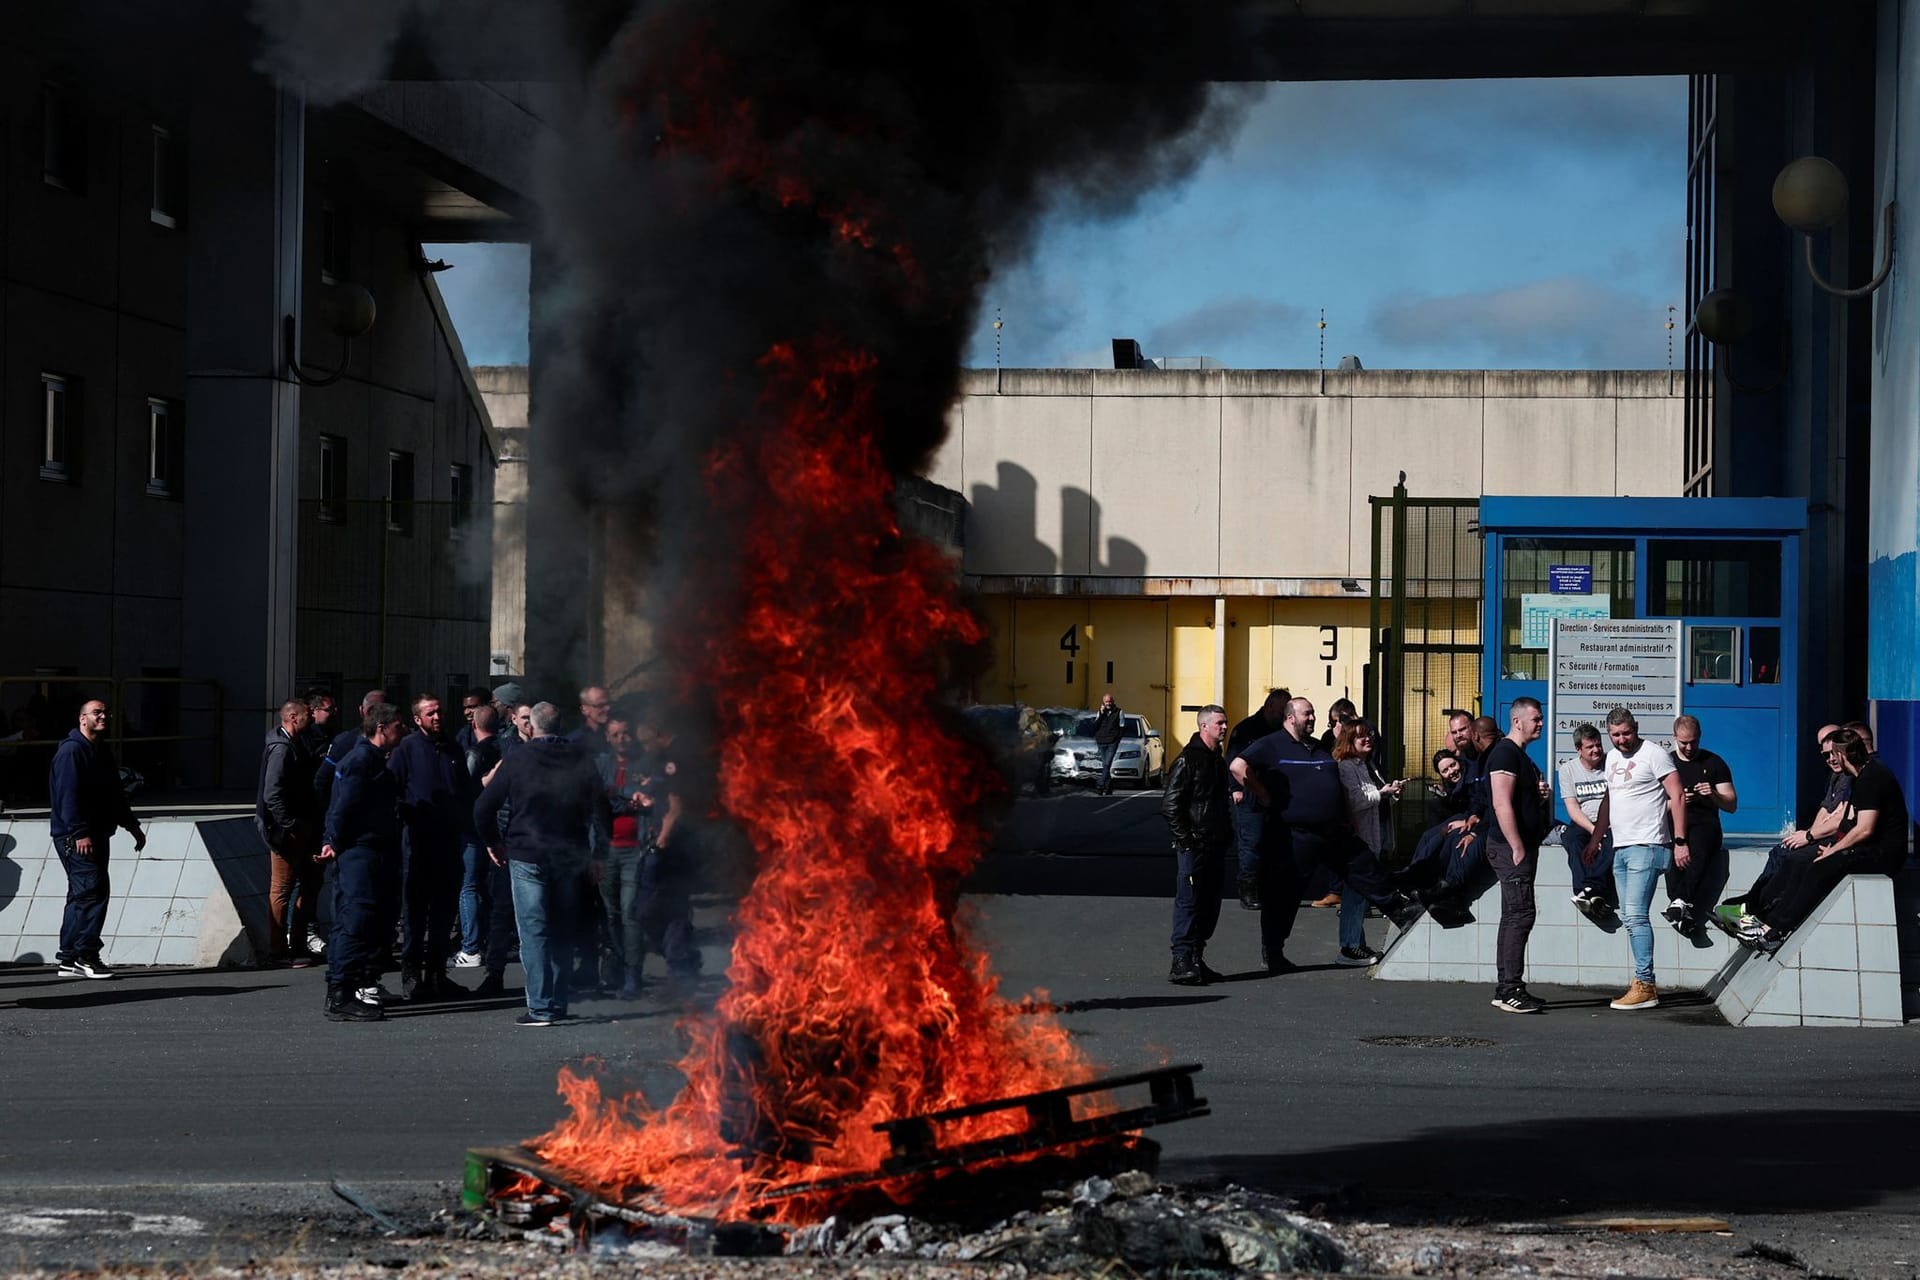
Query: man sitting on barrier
column 1583, row 784
column 1874, row 844
column 1827, row 825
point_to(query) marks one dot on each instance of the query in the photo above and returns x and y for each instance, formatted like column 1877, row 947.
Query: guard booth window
column 1718, row 579
column 1531, row 601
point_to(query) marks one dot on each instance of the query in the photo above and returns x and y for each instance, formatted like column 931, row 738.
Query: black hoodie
column 557, row 811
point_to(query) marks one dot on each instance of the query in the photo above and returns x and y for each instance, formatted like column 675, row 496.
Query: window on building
column 57, row 394
column 168, row 180
column 400, row 491
column 1537, row 573
column 460, row 506
column 1714, row 579
column 336, row 242
column 163, row 448
column 333, row 479
column 63, row 160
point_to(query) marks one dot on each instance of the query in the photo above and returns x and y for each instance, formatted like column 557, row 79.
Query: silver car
column 1141, row 759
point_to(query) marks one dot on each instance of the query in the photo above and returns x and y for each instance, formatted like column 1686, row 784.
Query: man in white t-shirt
column 1646, row 812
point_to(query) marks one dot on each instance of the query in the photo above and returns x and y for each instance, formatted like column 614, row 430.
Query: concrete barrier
column 1841, row 968
column 1567, row 949
column 195, row 896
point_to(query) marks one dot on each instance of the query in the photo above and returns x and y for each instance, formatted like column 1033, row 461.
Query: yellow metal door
column 995, row 684
column 1129, row 658
column 1249, row 655
column 1319, row 649
column 1190, row 632
column 1051, row 653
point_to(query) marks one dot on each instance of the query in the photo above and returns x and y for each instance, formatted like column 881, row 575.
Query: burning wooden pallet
column 525, row 1191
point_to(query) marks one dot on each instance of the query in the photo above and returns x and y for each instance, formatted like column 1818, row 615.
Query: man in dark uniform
column 436, row 812
column 89, row 805
column 1297, row 787
column 1199, row 817
column 363, row 838
column 1248, row 820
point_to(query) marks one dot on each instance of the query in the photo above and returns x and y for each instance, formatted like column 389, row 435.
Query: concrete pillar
column 246, row 178
column 1220, row 651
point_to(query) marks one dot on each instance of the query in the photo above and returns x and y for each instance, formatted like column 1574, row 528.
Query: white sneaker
column 316, row 945
column 375, row 994
column 467, row 960
column 88, row 968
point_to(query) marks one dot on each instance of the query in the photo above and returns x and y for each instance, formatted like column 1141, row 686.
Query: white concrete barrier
column 1567, row 949
column 1841, row 968
column 195, row 896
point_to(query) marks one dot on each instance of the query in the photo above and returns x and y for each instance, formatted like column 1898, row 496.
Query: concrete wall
column 505, row 390
column 1261, row 473
column 1110, row 510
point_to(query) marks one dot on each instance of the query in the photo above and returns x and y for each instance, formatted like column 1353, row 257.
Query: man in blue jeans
column 1646, row 812
column 89, row 805
column 558, row 823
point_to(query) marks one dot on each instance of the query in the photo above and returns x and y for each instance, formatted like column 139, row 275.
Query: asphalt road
column 226, row 1100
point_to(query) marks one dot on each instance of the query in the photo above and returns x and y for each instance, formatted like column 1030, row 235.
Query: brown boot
column 1641, row 995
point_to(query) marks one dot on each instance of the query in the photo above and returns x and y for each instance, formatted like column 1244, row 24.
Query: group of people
column 1285, row 802
column 1277, row 803
column 504, row 836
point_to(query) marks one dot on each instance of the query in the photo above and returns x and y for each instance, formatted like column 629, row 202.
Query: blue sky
column 1441, row 224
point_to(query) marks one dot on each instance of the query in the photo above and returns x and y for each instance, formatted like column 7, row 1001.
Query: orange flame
column 854, row 997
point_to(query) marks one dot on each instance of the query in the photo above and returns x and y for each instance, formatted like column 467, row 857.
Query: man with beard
column 436, row 810
column 1198, row 813
column 1707, row 784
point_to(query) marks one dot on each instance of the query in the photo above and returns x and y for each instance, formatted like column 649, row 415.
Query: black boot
column 342, row 1006
column 494, row 984
column 413, row 987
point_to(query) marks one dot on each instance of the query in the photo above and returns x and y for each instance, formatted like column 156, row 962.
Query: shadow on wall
column 239, row 857
column 9, row 872
column 1003, row 532
column 1806, row 1161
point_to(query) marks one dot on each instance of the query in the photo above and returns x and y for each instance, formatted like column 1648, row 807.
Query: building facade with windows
column 210, row 497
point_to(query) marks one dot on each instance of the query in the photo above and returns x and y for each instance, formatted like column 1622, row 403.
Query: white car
column 1140, row 760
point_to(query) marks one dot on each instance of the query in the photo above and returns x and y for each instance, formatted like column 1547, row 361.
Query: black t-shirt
column 1875, row 788
column 1528, row 812
column 1248, row 732
column 1702, row 813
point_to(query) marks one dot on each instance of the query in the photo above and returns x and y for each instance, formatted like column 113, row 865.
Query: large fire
column 854, row 998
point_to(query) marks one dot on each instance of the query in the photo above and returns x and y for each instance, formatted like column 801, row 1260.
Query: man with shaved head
column 1295, row 785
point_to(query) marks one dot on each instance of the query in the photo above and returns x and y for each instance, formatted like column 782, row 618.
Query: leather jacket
column 1197, row 808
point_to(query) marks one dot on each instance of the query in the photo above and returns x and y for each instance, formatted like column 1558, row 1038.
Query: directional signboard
column 1597, row 664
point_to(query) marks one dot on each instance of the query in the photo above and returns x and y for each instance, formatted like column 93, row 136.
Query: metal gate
column 1424, row 620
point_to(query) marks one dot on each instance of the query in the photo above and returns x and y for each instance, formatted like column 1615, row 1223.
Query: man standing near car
column 1198, row 813
column 1108, row 728
column 89, row 805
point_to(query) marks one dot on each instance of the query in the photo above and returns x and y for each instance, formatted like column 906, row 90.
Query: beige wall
column 1262, row 473
column 1123, row 504
column 504, row 388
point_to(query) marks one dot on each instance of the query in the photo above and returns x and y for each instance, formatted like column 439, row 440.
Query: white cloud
column 1563, row 322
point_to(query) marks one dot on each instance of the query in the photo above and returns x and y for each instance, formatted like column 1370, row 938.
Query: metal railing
column 37, row 726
